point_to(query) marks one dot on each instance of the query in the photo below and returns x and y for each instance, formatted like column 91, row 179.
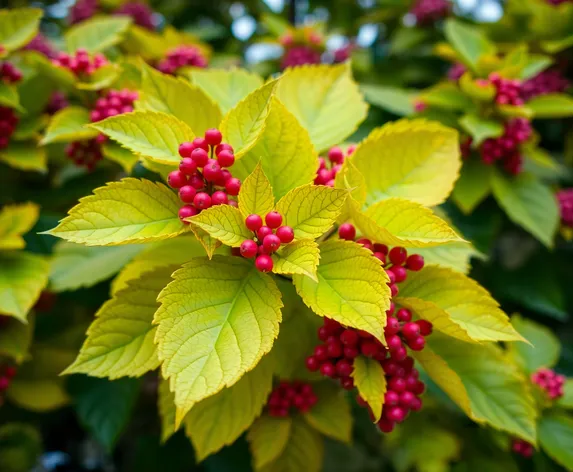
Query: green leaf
column 256, row 195
column 299, row 257
column 395, row 100
column 22, row 278
column 331, row 107
column 283, row 144
column 97, row 34
column 171, row 95
column 217, row 319
column 15, row 339
column 473, row 186
column 552, row 105
column 24, row 394
column 18, row 26
column 425, row 170
column 156, row 136
column 566, row 401
column 469, row 42
column 459, row 298
column 331, row 415
column 456, row 256
column 243, row 124
column 25, row 155
column 352, row 287
column 124, row 212
column 311, row 210
column 556, row 437
column 371, row 383
column 480, row 128
column 400, row 222
column 224, row 223
column 120, row 340
column 166, row 408
column 102, row 78
column 535, row 64
column 226, row 87
column 268, row 438
column 447, row 96
column 103, row 407
column 209, row 243
column 124, row 157
column 219, row 420
column 20, row 447
column 528, row 203
column 275, row 24
column 15, row 221
column 544, row 350
column 9, row 96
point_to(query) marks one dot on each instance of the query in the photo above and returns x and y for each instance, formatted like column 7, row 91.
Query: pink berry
column 200, row 156
column 347, row 231
column 336, row 155
column 391, row 398
column 176, row 179
column 404, row 315
column 187, row 194
column 397, row 384
column 264, row 263
column 425, row 327
column 196, row 182
column 213, row 137
column 398, row 255
column 185, row 149
column 201, row 143
column 263, row 232
column 394, row 290
column 187, row 211
column 233, row 203
column 417, row 343
column 285, row 234
column 271, row 243
column 187, row 166
column 232, row 186
column 400, row 273
column 225, row 158
column 202, row 201
column 223, row 147
column 253, row 222
column 219, row 198
column 415, row 262
column 392, row 326
column 249, row 248
column 212, row 171
column 273, row 219
column 411, row 330
column 365, row 242
column 396, row 413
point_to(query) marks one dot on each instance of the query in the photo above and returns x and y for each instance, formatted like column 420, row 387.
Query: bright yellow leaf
column 224, row 223
column 299, row 257
column 256, row 195
column 370, row 382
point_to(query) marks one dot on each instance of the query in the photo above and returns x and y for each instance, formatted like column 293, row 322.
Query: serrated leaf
column 299, row 257
column 120, row 340
column 566, row 401
column 400, row 222
column 268, row 438
column 464, row 301
column 456, row 256
column 311, row 210
column 473, row 186
column 167, row 94
column 351, row 179
column 332, row 106
column 556, row 437
column 124, row 157
column 370, row 382
column 75, row 266
column 480, row 128
column 124, row 212
column 256, row 195
column 224, row 223
column 166, row 407
column 156, row 136
column 24, row 155
column 18, row 26
column 414, row 159
column 15, row 221
column 284, row 150
column 551, row 105
column 209, row 243
column 226, row 87
column 97, row 34
column 331, row 415
column 395, row 100
column 470, row 43
column 217, row 319
column 528, row 203
column 22, row 278
column 352, row 287
column 219, row 420
column 544, row 350
column 15, row 339
column 243, row 124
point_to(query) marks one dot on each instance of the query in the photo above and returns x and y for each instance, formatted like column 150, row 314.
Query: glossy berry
column 200, row 156
column 212, row 171
column 404, row 315
column 285, row 234
column 232, row 186
column 225, row 158
column 264, row 263
column 200, row 142
column 202, row 201
column 253, row 222
column 187, row 194
column 182, row 56
column 271, row 243
column 185, row 149
column 415, row 262
column 398, row 255
column 219, row 198
column 249, row 248
column 425, row 327
column 187, row 166
column 347, row 231
column 312, row 363
column 411, row 330
column 213, row 137
column 187, row 211
column 176, row 179
column 263, row 232
column 273, row 219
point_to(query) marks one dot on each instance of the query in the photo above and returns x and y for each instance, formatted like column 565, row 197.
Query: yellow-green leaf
column 25, row 155
column 268, row 438
column 15, row 221
column 74, row 266
column 68, row 125
column 566, row 401
column 311, row 210
column 352, row 287
column 556, row 437
column 219, row 420
column 9, row 96
column 187, row 102
column 414, row 159
column 24, row 393
column 284, row 150
column 124, row 157
column 299, row 257
column 371, row 383
column 124, row 212
column 464, row 301
column 473, row 186
column 331, row 107
column 102, row 78
column 256, row 195
column 120, row 340
column 15, row 339
column 166, row 407
column 456, row 256
column 226, row 87
column 18, row 26
column 22, row 278
column 217, row 319
column 224, row 223
column 97, row 34
column 469, row 42
column 351, row 179
column 400, row 222
column 209, row 243
column 551, row 105
column 156, row 136
column 243, row 125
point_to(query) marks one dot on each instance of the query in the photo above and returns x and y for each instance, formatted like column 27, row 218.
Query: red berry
column 347, row 231
column 396, row 413
column 391, row 276
column 407, row 398
column 200, row 156
column 399, row 354
column 176, row 179
column 233, row 203
column 369, row 348
column 187, row 211
column 225, row 158
column 365, row 242
column 312, row 363
column 202, row 201
column 273, row 219
column 336, row 155
column 411, row 330
column 404, row 315
column 392, row 326
column 349, row 337
column 249, row 248
column 201, row 143
column 285, row 234
column 416, row 404
column 351, row 352
column 187, row 193
column 400, row 273
column 10, row 371
column 398, row 255
column 347, row 383
column 254, row 222
column 4, row 383
column 390, row 367
column 196, row 182
column 397, row 384
column 263, row 231
column 212, row 171
column 187, row 166
column 381, row 257
column 381, row 248
column 344, row 368
column 415, row 262
column 264, row 263
column 219, row 198
column 213, row 136
column 232, row 186
column 386, row 426
column 322, row 333
column 321, row 353
column 391, row 398
column 334, row 349
column 328, row 369
column 417, row 343
column 271, row 243
column 185, row 149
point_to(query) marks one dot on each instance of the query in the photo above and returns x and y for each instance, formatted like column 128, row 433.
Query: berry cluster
column 299, row 56
column 505, row 149
column 521, row 447
column 549, row 381
column 343, row 53
column 202, row 178
column 85, row 153
column 558, row 2
column 9, row 73
column 291, row 395
column 114, row 102
column 327, row 169
column 427, row 12
column 507, row 91
column 268, row 238
column 8, row 123
column 420, row 106
column 7, row 373
column 565, row 199
column 82, row 10
column 81, row 64
column 548, row 81
column 182, row 56
column 40, row 43
column 58, row 101
column 456, row 71
column 141, row 14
